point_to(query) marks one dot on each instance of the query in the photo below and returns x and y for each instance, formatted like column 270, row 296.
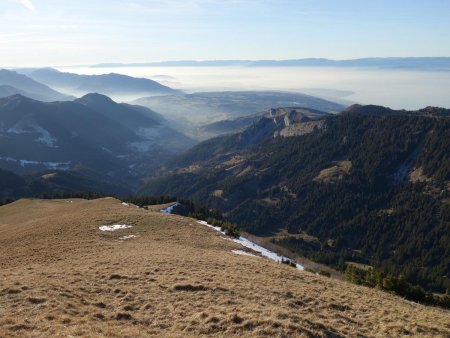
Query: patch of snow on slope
column 169, row 209
column 106, row 149
column 9, row 159
column 125, row 204
column 114, row 227
column 29, row 127
column 212, row 227
column 124, row 238
column 45, row 138
column 48, row 165
column 17, row 129
column 255, row 247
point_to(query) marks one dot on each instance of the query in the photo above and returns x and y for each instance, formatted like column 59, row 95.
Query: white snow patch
column 48, row 165
column 169, row 209
column 46, row 138
column 263, row 251
column 243, row 253
column 9, row 159
column 255, row 247
column 114, row 227
column 124, row 238
column 17, row 129
column 26, row 162
column 125, row 204
column 106, row 149
column 212, row 227
column 27, row 127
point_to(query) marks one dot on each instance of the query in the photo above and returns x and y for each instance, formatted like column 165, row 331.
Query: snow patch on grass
column 212, row 227
column 169, row 209
column 255, row 247
column 124, row 238
column 114, row 227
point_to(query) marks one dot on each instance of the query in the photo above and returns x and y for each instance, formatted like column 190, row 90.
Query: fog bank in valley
column 395, row 88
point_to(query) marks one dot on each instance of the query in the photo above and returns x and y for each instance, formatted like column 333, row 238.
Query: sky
column 78, row 32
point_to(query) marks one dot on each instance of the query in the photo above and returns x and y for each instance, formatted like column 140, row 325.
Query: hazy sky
column 63, row 32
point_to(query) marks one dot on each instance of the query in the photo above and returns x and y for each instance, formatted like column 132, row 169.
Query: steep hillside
column 149, row 125
column 92, row 132
column 230, row 126
column 369, row 186
column 118, row 86
column 21, row 84
column 62, row 276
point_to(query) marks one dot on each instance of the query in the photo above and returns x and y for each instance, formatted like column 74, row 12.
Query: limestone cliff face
column 302, row 128
column 294, row 122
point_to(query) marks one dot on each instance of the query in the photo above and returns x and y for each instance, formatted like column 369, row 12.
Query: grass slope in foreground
column 61, row 276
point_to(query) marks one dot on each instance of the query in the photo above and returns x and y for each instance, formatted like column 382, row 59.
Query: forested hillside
column 370, row 186
column 54, row 183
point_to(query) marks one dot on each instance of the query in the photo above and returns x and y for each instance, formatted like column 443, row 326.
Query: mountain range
column 118, row 86
column 92, row 132
column 388, row 62
column 12, row 82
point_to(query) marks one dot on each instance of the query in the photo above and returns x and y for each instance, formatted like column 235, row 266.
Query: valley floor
column 60, row 276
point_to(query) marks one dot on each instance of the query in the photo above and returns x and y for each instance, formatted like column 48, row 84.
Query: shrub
column 325, row 273
column 289, row 262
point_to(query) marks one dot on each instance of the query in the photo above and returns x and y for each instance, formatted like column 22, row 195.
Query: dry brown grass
column 334, row 173
column 62, row 277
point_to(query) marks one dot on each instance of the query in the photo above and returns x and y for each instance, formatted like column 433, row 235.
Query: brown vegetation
column 62, row 277
column 334, row 173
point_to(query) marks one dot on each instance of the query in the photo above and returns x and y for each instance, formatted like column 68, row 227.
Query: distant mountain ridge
column 12, row 83
column 386, row 62
column 116, row 85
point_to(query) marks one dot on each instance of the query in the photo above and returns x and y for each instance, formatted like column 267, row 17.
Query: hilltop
column 61, row 275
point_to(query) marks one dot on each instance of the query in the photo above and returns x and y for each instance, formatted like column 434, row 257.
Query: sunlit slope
column 61, row 276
